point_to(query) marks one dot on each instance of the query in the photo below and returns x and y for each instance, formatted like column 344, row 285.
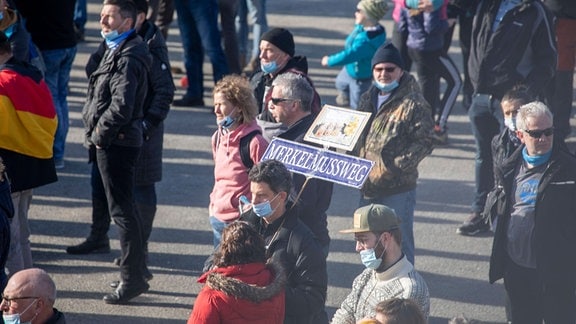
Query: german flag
column 28, row 118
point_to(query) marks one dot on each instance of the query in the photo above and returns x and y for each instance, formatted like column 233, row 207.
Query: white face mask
column 15, row 318
column 510, row 123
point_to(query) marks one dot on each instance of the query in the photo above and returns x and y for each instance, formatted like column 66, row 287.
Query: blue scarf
column 536, row 160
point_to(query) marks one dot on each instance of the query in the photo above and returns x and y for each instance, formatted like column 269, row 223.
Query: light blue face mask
column 386, row 87
column 113, row 34
column 15, row 318
column 264, row 209
column 269, row 67
column 369, row 259
column 227, row 121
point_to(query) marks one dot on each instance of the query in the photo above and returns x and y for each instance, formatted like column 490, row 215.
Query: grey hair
column 295, row 86
column 534, row 109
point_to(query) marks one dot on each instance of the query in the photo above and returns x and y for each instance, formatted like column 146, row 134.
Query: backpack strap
column 245, row 149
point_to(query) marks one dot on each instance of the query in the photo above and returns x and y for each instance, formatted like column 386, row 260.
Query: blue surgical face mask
column 113, row 34
column 386, row 87
column 227, row 121
column 264, row 209
column 270, row 67
column 15, row 318
column 369, row 259
column 510, row 123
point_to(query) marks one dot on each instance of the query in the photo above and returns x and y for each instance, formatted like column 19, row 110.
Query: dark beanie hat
column 141, row 5
column 387, row 53
column 280, row 38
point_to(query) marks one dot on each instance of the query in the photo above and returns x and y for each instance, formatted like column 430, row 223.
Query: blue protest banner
column 319, row 163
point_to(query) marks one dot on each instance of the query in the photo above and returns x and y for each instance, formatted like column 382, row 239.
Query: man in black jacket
column 112, row 118
column 513, row 43
column 277, row 57
column 289, row 242
column 536, row 230
column 290, row 105
column 149, row 163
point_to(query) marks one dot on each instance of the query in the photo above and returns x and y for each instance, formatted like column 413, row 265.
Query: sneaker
column 342, row 100
column 188, row 102
column 475, row 225
column 439, row 136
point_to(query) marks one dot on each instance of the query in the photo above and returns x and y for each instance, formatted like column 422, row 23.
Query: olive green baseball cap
column 374, row 218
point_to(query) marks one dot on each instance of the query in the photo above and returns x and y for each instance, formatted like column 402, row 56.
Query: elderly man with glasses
column 536, row 228
column 29, row 297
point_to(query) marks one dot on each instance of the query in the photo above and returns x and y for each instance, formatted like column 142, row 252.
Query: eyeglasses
column 388, row 69
column 8, row 300
column 358, row 10
column 276, row 101
column 537, row 133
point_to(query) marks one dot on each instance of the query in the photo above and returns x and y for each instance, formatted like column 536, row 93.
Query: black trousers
column 116, row 165
column 532, row 302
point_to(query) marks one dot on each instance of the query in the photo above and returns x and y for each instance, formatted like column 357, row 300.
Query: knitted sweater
column 370, row 287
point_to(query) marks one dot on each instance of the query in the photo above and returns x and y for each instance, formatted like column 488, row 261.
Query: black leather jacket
column 117, row 89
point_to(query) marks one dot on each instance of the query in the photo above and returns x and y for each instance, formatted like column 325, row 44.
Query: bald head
column 30, row 293
column 33, row 282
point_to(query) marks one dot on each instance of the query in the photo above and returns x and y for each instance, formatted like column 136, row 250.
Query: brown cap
column 374, row 218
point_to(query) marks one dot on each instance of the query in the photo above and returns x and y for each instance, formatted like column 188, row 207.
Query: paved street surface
column 455, row 267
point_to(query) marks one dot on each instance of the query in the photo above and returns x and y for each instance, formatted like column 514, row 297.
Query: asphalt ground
column 455, row 267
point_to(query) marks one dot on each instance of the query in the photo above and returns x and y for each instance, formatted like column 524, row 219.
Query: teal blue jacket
column 358, row 50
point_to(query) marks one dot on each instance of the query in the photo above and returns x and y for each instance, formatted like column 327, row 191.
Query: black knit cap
column 387, row 53
column 280, row 38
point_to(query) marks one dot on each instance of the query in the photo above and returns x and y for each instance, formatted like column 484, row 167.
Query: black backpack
column 245, row 149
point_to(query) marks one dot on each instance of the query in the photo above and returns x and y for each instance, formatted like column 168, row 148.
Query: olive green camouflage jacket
column 397, row 138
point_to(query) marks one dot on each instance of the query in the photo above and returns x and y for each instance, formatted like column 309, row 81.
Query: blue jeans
column 198, row 23
column 353, row 88
column 403, row 204
column 257, row 11
column 486, row 120
column 58, row 65
column 217, row 228
column 80, row 15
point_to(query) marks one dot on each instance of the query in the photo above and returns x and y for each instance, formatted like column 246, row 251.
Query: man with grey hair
column 290, row 105
column 29, row 297
column 536, row 225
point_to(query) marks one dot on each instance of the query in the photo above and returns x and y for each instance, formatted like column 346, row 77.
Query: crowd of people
column 270, row 226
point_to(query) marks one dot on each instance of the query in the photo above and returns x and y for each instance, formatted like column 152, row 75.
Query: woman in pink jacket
column 235, row 108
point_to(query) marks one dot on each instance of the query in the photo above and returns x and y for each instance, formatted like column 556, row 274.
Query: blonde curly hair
column 237, row 90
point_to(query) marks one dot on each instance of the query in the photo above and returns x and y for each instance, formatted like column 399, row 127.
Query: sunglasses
column 358, row 10
column 536, row 133
column 388, row 69
column 276, row 101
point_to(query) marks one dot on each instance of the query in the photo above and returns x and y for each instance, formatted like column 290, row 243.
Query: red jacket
column 248, row 293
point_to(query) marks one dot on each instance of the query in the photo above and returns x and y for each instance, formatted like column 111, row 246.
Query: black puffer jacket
column 304, row 262
column 521, row 50
column 117, row 90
